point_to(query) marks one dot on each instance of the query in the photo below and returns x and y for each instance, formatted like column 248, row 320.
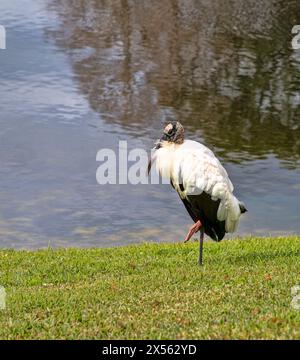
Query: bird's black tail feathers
column 242, row 208
column 216, row 231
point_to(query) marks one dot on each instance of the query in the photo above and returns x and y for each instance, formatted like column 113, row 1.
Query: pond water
column 79, row 76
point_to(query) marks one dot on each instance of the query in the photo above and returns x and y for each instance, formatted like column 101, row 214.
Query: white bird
column 201, row 182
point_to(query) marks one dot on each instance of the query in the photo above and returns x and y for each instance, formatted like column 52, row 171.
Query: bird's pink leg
column 193, row 229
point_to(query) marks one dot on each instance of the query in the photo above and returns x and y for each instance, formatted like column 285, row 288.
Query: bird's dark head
column 173, row 133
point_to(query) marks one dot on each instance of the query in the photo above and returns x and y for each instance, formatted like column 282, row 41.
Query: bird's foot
column 193, row 229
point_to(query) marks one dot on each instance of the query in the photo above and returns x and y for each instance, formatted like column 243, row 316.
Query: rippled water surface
column 78, row 76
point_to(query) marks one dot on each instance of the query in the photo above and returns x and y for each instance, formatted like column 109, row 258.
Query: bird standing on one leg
column 201, row 182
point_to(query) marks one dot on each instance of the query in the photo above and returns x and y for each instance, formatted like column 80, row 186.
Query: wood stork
column 202, row 183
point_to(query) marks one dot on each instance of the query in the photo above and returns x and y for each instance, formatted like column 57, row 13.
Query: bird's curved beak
column 149, row 165
column 165, row 137
column 157, row 144
column 153, row 157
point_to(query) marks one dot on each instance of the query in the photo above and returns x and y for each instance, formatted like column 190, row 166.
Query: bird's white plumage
column 195, row 167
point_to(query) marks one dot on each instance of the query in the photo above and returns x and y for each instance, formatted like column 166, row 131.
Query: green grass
column 153, row 291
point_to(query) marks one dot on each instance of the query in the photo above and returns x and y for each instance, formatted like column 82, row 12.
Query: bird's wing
column 200, row 167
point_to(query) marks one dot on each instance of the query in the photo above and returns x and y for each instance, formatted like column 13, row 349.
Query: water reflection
column 81, row 75
column 224, row 68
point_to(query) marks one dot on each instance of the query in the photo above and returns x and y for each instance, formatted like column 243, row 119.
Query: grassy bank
column 153, row 291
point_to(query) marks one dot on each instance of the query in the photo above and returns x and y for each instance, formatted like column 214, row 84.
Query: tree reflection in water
column 224, row 68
